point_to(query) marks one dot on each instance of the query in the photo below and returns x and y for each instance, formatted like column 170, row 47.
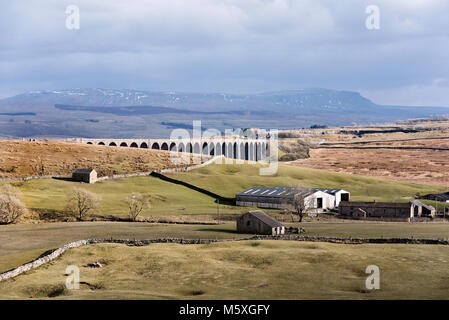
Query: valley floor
column 235, row 270
column 240, row 270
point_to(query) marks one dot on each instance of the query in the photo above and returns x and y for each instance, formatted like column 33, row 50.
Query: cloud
column 431, row 94
column 227, row 45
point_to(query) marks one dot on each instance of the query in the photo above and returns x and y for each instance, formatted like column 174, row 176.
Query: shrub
column 11, row 208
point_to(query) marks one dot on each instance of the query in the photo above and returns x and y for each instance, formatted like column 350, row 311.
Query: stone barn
column 258, row 222
column 388, row 211
column 85, row 175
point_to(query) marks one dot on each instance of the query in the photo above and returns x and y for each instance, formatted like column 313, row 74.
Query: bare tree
column 136, row 203
column 81, row 202
column 38, row 168
column 297, row 201
column 11, row 208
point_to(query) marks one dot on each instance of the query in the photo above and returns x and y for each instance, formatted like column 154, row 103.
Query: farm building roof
column 83, row 170
column 330, row 191
column 282, row 192
column 437, row 196
column 420, row 204
column 262, row 216
column 375, row 204
column 274, row 192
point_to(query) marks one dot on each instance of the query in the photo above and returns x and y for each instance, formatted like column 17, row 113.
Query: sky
column 234, row 46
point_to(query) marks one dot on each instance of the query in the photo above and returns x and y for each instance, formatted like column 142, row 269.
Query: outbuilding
column 423, row 210
column 258, row 222
column 443, row 197
column 387, row 211
column 283, row 197
column 85, row 175
column 339, row 194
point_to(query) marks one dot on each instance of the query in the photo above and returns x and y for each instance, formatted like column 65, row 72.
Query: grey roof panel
column 83, row 170
column 278, row 192
column 420, row 204
column 262, row 216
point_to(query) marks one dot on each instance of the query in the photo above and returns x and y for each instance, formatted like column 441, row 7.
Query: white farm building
column 280, row 197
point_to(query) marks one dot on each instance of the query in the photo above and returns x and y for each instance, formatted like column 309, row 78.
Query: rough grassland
column 26, row 158
column 241, row 270
column 228, row 180
column 23, row 243
column 377, row 160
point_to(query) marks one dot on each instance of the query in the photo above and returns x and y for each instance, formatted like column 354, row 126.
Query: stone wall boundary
column 120, row 176
column 59, row 251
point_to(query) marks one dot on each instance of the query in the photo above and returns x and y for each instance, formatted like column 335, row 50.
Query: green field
column 246, row 270
column 25, row 242
column 169, row 199
column 22, row 243
column 240, row 270
column 228, row 180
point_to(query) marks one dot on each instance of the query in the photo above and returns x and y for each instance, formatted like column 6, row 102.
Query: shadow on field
column 218, row 230
column 64, row 178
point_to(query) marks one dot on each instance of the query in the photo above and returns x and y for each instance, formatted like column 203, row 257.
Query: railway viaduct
column 230, row 147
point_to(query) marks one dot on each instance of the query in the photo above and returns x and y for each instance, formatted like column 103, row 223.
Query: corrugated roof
column 420, row 204
column 262, row 216
column 329, row 191
column 274, row 192
column 282, row 192
column 437, row 196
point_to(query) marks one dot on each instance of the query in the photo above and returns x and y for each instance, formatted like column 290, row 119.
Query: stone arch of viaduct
column 243, row 149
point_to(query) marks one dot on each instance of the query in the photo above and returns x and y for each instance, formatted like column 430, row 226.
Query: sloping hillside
column 228, row 180
column 26, row 158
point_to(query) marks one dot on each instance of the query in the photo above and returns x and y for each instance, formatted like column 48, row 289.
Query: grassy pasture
column 241, row 270
column 230, row 179
column 168, row 199
column 23, row 243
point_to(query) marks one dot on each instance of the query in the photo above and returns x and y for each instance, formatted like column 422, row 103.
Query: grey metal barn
column 280, row 197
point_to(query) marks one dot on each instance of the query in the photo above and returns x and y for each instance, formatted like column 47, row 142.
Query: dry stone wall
column 56, row 253
column 119, row 176
column 40, row 261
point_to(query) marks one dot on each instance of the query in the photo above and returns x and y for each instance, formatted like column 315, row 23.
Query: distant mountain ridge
column 138, row 113
column 280, row 101
column 138, row 110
